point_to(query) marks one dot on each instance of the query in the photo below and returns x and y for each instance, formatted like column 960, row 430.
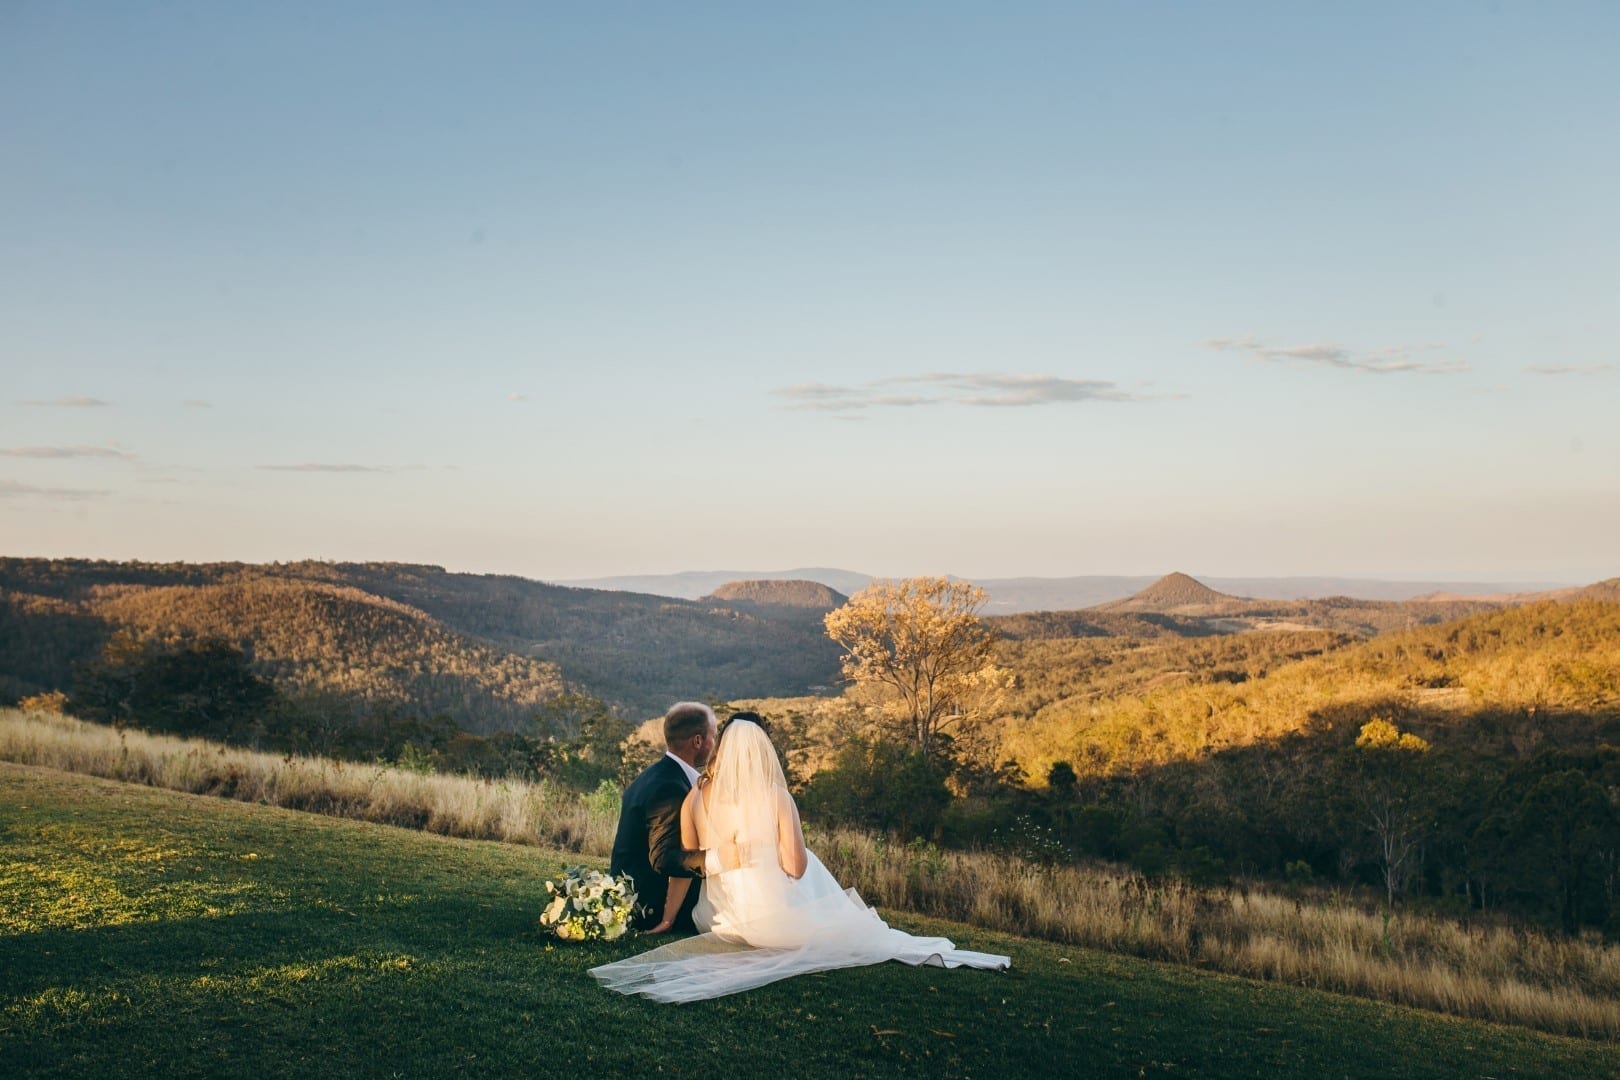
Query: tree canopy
column 918, row 648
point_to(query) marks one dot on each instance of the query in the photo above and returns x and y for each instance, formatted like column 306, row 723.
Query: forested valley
column 1466, row 760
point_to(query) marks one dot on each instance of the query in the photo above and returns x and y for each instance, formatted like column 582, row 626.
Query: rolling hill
column 485, row 649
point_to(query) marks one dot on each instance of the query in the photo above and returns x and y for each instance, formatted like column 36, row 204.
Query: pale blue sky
column 990, row 289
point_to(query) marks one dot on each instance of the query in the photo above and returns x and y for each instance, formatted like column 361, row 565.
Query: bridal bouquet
column 588, row 904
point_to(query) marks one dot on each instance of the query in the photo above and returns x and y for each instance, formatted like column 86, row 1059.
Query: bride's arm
column 689, row 833
column 789, row 836
column 674, row 897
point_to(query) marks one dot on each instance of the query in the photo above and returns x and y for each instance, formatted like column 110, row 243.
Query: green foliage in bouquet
column 587, row 905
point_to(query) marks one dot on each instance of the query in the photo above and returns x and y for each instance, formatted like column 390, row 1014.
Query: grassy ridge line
column 153, row 933
column 1497, row 973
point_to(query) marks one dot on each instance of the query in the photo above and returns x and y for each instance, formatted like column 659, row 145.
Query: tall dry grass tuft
column 1492, row 973
column 512, row 810
column 1509, row 975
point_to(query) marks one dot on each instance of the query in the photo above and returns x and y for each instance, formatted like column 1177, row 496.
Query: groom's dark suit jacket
column 648, row 843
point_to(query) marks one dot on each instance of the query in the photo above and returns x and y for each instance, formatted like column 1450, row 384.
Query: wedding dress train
column 760, row 924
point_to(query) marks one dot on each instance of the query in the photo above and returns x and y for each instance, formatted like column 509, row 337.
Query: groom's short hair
column 685, row 720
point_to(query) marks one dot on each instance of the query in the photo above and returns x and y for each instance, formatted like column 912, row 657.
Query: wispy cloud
column 197, row 403
column 12, row 489
column 517, row 397
column 1388, row 360
column 1571, row 369
column 976, row 389
column 324, row 467
column 60, row 452
column 68, row 403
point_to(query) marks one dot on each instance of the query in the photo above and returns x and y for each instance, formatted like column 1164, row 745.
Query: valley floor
column 144, row 932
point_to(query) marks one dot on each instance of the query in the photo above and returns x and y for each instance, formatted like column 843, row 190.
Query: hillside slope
column 237, row 940
column 1533, row 663
column 393, row 629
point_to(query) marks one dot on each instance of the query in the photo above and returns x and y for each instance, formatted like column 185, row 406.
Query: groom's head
column 690, row 732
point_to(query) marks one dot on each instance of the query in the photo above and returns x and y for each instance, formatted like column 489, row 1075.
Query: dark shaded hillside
column 42, row 638
column 313, row 636
column 308, row 637
column 643, row 652
column 345, row 620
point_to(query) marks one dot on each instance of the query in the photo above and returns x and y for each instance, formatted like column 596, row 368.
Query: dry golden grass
column 1492, row 973
column 512, row 810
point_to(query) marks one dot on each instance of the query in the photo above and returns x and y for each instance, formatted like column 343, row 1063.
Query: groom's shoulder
column 659, row 772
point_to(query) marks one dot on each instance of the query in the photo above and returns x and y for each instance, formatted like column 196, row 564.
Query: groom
column 648, row 843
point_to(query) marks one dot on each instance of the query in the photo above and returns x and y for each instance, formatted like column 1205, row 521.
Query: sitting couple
column 765, row 905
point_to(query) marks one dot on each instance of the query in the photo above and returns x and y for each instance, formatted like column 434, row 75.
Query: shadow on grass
column 255, row 941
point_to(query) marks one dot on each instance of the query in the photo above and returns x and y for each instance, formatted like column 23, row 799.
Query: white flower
column 589, row 904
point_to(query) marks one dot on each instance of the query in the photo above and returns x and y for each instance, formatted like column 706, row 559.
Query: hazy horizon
column 742, row 572
column 1035, row 291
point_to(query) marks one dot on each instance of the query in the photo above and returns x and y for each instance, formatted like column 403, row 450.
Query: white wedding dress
column 760, row 924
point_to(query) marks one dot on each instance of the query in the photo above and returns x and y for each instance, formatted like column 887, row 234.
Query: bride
column 779, row 912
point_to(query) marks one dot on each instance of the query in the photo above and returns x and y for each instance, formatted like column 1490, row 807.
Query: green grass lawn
column 147, row 932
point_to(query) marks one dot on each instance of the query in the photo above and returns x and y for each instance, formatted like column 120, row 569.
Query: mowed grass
column 146, row 932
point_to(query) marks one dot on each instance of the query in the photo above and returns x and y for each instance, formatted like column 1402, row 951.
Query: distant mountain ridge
column 1016, row 595
column 696, row 584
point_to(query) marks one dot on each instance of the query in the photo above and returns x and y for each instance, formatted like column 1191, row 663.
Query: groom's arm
column 665, row 852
